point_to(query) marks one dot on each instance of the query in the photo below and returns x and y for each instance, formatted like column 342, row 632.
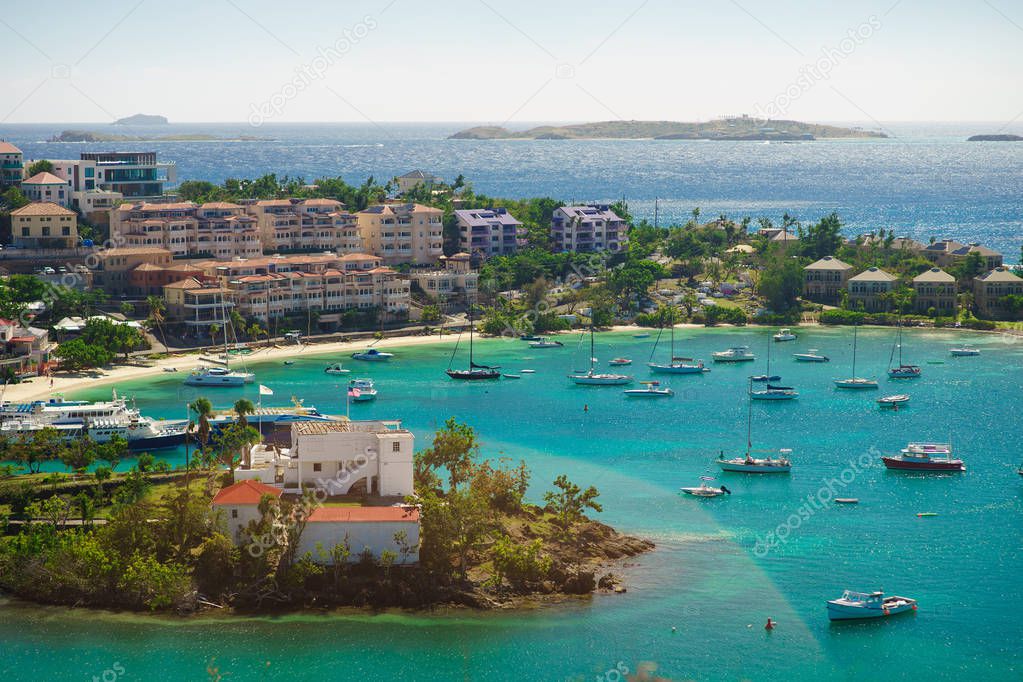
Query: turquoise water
column 709, row 577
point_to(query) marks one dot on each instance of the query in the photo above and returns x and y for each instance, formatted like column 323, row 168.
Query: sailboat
column 855, row 381
column 755, row 465
column 903, row 371
column 474, row 372
column 768, row 376
column 219, row 376
column 593, row 378
column 676, row 365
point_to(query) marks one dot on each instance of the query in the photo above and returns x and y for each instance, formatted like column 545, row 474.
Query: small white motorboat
column 527, row 371
column 784, row 335
column 735, row 354
column 641, row 336
column 619, row 362
column 964, row 351
column 170, row 369
column 652, row 390
column 813, row 355
column 704, row 490
column 512, row 376
column 361, row 390
column 336, row 368
column 373, row 355
column 893, row 401
column 545, row 342
column 758, row 465
column 858, row 605
column 289, row 363
column 847, row 500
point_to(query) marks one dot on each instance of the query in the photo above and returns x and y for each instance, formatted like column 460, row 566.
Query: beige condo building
column 403, row 233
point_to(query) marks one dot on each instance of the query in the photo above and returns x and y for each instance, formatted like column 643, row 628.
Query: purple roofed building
column 587, row 228
column 489, row 231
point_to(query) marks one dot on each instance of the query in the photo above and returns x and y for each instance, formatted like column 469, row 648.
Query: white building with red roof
column 367, row 530
column 239, row 504
column 47, row 187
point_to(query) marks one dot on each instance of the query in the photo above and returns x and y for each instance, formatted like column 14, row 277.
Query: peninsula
column 738, row 128
column 142, row 120
column 995, row 138
column 90, row 136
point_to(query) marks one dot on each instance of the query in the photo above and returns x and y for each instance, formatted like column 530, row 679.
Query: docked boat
column 813, row 355
column 903, row 370
column 373, row 355
column 755, row 465
column 964, row 351
column 925, row 457
column 595, row 378
column 545, row 342
column 893, row 401
column 361, row 390
column 336, row 368
column 675, row 364
column 855, row 382
column 474, row 372
column 651, row 389
column 218, row 376
column 735, row 354
column 704, row 490
column 619, row 362
column 858, row 605
column 784, row 335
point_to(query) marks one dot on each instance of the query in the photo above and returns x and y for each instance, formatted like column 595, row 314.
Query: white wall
column 377, row 535
column 233, row 524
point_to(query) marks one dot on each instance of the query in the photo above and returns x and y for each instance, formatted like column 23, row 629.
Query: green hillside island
column 740, row 128
column 142, row 120
column 90, row 136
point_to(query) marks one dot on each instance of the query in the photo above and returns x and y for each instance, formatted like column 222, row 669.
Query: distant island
column 740, row 128
column 995, row 138
column 142, row 120
column 90, row 136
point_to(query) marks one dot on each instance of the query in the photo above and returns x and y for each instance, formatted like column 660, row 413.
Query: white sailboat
column 855, row 381
column 903, row 371
column 675, row 365
column 755, row 465
column 594, row 378
column 222, row 377
column 474, row 372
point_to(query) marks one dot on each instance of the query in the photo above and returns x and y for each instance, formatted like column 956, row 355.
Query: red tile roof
column 245, row 492
column 8, row 148
column 44, row 208
column 364, row 514
column 44, row 178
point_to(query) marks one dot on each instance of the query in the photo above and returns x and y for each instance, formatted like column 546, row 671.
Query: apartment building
column 489, row 232
column 217, row 229
column 587, row 228
column 825, row 279
column 44, row 226
column 990, row 288
column 871, row 289
column 403, row 233
column 305, row 225
column 935, row 289
column 197, row 305
column 12, row 164
column 113, row 267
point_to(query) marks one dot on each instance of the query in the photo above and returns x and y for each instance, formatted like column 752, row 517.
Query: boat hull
column 864, row 384
column 743, row 468
column 811, row 358
column 473, row 375
column 774, row 395
column 640, row 393
column 675, row 369
column 215, row 381
column 903, row 465
column 844, row 612
column 734, row 359
column 601, row 381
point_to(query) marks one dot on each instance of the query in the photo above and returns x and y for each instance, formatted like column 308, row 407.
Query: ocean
column 696, row 606
column 924, row 181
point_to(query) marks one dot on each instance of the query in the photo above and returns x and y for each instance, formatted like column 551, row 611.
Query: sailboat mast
column 856, row 329
column 591, row 345
column 749, row 418
column 470, row 336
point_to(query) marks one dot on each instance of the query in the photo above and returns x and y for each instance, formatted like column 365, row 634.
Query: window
column 396, row 446
column 234, row 513
column 317, row 466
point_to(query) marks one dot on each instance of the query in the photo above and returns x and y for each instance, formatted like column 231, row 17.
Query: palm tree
column 203, row 409
column 242, row 407
column 157, row 308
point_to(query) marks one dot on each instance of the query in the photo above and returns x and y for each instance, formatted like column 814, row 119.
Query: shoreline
column 40, row 387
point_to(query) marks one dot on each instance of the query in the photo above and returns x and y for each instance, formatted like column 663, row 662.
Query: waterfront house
column 935, row 289
column 47, row 187
column 990, row 288
column 455, row 278
column 12, row 164
column 824, row 280
column 948, row 253
column 489, row 232
column 45, row 225
column 306, row 225
column 588, row 228
column 410, row 181
column 239, row 505
column 403, row 233
column 871, row 290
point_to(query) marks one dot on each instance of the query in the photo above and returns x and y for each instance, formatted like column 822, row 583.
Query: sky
column 511, row 62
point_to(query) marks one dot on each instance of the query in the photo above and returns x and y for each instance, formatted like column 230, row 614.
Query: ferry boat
column 813, row 355
column 735, row 354
column 218, row 376
column 857, row 605
column 784, row 335
column 925, row 457
column 373, row 355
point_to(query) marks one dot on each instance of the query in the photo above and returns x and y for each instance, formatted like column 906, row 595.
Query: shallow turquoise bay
column 708, row 576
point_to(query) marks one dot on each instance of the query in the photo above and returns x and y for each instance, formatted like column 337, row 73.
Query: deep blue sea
column 925, row 181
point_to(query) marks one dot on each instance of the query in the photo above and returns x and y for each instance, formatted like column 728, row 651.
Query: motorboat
column 528, row 337
column 336, row 368
column 757, row 465
column 361, row 390
column 545, row 342
column 218, row 376
column 170, row 369
column 619, row 362
column 855, row 382
column 595, row 378
column 735, row 354
column 641, row 336
column 925, row 457
column 858, row 605
column 784, row 335
column 653, row 389
column 847, row 500
column 512, row 376
column 527, row 371
column 474, row 371
column 704, row 490
column 813, row 355
column 964, row 351
column 373, row 355
column 772, row 392
column 893, row 401
column 289, row 363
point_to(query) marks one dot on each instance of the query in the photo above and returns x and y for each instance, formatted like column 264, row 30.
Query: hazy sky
column 511, row 61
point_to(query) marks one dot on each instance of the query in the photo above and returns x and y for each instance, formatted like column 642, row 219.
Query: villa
column 824, row 280
column 44, row 225
column 947, row 253
column 47, row 187
column 587, row 228
column 870, row 290
column 12, row 164
column 489, row 232
column 455, row 278
column 935, row 289
column 990, row 288
column 403, row 233
column 416, row 178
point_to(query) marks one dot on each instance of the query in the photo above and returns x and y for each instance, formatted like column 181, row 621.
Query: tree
column 781, row 283
column 40, row 166
column 77, row 354
column 203, row 410
column 113, row 452
column 145, row 462
column 127, row 309
column 157, row 315
column 821, row 239
column 454, row 448
column 231, row 442
column 79, row 454
column 242, row 408
column 431, row 314
column 569, row 501
column 42, row 446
